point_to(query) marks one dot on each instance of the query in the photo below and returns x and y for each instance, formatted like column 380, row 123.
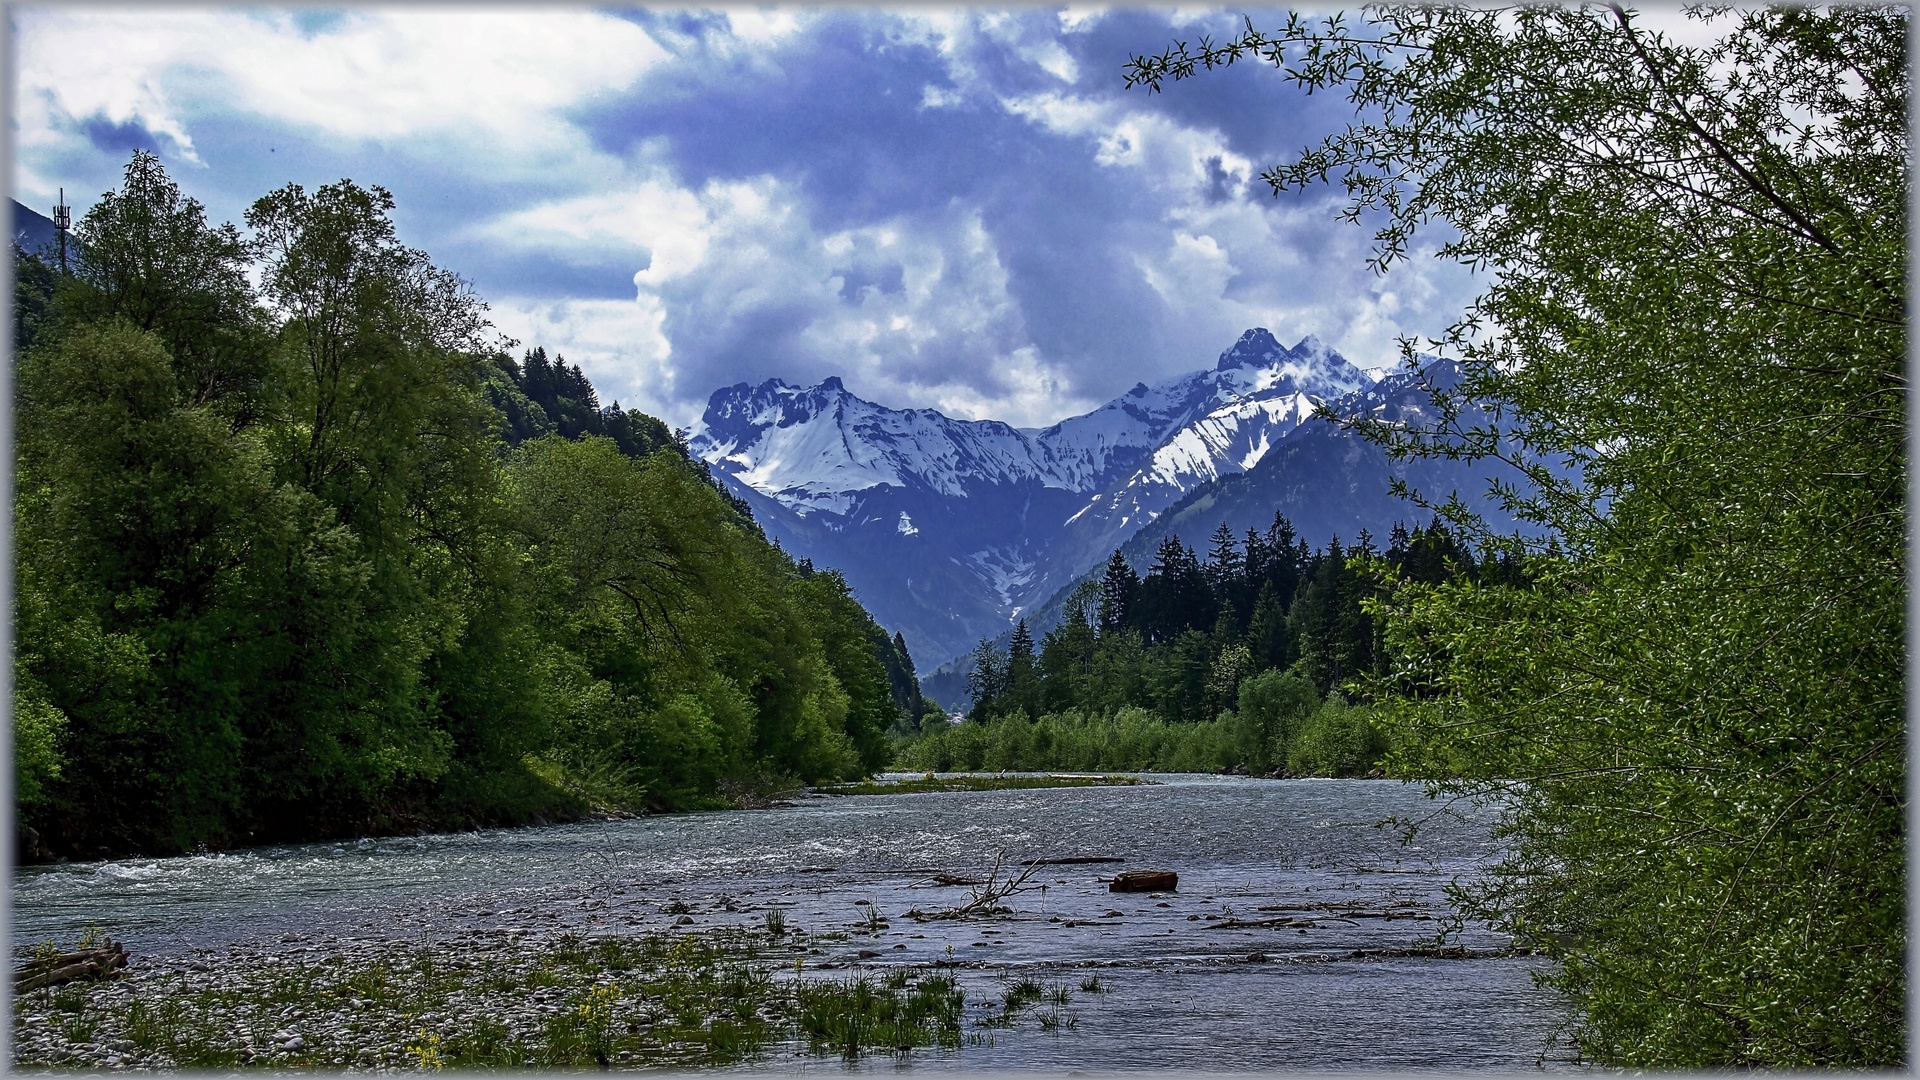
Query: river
column 1188, row 992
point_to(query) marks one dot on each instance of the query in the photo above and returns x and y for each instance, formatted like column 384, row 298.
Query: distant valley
column 950, row 530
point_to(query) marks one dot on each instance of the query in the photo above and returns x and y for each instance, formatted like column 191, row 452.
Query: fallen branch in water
column 1441, row 952
column 1282, row 922
column 990, row 893
column 944, row 879
column 1355, row 913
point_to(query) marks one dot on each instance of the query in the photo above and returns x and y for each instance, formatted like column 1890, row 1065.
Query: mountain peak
column 1255, row 348
column 832, row 383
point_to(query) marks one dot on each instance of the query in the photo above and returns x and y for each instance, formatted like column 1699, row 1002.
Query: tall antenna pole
column 62, row 221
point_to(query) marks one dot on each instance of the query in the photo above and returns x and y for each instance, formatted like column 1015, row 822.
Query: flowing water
column 1187, row 992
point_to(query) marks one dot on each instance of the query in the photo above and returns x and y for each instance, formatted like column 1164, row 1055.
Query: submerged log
column 1073, row 860
column 99, row 962
column 1145, row 881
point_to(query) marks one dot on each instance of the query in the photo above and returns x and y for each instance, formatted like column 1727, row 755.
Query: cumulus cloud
column 487, row 81
column 962, row 210
column 739, row 282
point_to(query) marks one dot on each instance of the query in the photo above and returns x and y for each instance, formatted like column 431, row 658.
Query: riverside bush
column 1693, row 340
column 1329, row 738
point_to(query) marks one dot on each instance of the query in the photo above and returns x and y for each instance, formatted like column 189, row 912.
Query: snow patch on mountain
column 936, row 515
column 810, row 447
column 1005, row 569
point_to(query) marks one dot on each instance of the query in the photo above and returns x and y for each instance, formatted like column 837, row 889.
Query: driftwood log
column 103, row 961
column 1145, row 881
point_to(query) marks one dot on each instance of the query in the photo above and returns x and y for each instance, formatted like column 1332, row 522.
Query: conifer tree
column 1119, row 588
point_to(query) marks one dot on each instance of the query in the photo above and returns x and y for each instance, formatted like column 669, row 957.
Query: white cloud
column 1192, row 275
column 489, row 79
column 762, row 25
column 654, row 222
column 915, row 311
column 618, row 343
column 1076, row 18
column 1055, row 61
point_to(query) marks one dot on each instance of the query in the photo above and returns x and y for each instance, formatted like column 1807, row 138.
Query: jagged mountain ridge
column 948, row 529
column 1326, row 479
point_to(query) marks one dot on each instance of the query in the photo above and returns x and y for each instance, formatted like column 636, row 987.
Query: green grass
column 977, row 782
column 656, row 1001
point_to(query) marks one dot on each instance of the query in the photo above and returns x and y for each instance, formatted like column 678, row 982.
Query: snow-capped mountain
column 1255, row 396
column 1325, row 478
column 948, row 529
column 812, row 449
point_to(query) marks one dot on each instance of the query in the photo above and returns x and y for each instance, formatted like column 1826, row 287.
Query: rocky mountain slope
column 1326, row 479
column 951, row 529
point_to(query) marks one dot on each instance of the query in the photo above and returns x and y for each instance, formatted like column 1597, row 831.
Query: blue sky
column 954, row 209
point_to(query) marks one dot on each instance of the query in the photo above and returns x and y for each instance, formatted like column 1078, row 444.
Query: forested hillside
column 1239, row 660
column 301, row 551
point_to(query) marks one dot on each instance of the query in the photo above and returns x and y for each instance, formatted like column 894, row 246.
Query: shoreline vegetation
column 973, row 781
column 1691, row 337
column 501, row 1001
column 304, row 550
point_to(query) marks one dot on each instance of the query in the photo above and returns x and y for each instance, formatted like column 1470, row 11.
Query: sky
column 958, row 209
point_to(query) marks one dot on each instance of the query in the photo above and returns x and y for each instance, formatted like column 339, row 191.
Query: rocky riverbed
column 1301, row 935
column 493, row 1000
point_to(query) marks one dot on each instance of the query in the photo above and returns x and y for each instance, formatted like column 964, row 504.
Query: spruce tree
column 1119, row 589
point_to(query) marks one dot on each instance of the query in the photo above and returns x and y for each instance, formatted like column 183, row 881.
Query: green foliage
column 1332, row 739
column 1687, row 694
column 1287, row 628
column 1274, row 708
column 277, row 576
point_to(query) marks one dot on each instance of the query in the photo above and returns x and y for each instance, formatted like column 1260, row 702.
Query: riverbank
column 932, row 782
column 1296, row 915
column 30, row 847
column 506, row 1001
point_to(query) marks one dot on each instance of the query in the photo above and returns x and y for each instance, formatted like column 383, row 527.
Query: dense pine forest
column 1244, row 660
column 302, row 550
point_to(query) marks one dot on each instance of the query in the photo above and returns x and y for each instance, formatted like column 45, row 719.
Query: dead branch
column 95, row 963
column 988, row 896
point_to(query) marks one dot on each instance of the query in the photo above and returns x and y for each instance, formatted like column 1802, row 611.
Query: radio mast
column 62, row 221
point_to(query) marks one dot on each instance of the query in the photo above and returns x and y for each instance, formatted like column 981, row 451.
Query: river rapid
column 1310, row 858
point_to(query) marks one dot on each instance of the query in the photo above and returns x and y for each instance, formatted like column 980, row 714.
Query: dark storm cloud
column 119, row 138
